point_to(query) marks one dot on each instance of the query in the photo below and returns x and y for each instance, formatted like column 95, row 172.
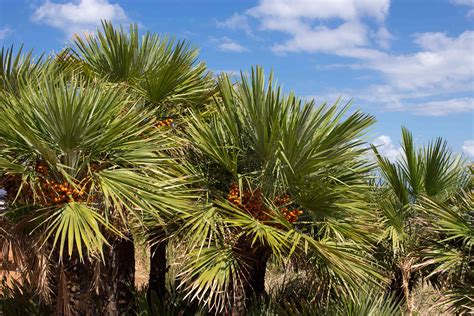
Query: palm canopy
column 448, row 250
column 273, row 153
column 78, row 160
column 164, row 72
column 16, row 67
column 432, row 171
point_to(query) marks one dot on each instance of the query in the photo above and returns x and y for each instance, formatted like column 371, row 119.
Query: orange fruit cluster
column 252, row 202
column 291, row 215
column 57, row 192
column 166, row 122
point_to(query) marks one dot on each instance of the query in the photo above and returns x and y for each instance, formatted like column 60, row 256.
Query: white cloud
column 4, row 32
column 324, row 39
column 306, row 22
column 237, row 22
column 383, row 37
column 468, row 147
column 386, row 147
column 442, row 67
column 468, row 3
column 78, row 16
column 445, row 107
column 442, row 63
column 346, row 10
column 226, row 44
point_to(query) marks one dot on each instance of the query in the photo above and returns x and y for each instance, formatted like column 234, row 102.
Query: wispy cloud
column 445, row 107
column 78, row 16
column 468, row 147
column 4, row 32
column 237, row 22
column 226, row 44
column 467, row 3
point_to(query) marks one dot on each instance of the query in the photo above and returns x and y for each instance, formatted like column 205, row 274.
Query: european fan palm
column 78, row 162
column 276, row 169
column 432, row 171
column 449, row 249
column 164, row 75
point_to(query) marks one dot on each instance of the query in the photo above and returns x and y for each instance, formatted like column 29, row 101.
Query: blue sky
column 407, row 62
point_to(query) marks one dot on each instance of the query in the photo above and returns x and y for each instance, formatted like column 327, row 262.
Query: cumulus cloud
column 442, row 67
column 424, row 82
column 442, row 63
column 318, row 26
column 308, row 27
column 386, row 147
column 78, row 16
column 226, row 44
column 468, row 147
column 4, row 32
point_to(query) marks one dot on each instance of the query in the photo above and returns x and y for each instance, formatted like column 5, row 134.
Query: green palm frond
column 94, row 142
column 162, row 71
column 449, row 253
column 256, row 137
column 367, row 303
column 16, row 68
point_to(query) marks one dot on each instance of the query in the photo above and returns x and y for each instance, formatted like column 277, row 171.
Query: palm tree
column 164, row 75
column 448, row 252
column 78, row 162
column 432, row 171
column 282, row 176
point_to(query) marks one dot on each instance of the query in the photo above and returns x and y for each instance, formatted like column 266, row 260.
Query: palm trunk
column 118, row 278
column 158, row 269
column 73, row 292
column 406, row 268
column 257, row 273
column 256, row 258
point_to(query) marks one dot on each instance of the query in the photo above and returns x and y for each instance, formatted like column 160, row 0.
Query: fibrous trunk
column 158, row 269
column 255, row 257
column 72, row 288
column 118, row 277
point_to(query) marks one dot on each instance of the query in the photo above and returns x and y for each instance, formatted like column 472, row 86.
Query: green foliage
column 264, row 140
column 84, row 160
column 92, row 139
column 449, row 252
column 158, row 69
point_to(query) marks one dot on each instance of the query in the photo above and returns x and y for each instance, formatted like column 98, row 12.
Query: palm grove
column 123, row 141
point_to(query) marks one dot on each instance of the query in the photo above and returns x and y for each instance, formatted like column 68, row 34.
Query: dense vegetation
column 247, row 200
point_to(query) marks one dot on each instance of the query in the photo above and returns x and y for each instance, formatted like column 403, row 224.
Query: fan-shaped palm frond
column 432, row 171
column 449, row 251
column 16, row 68
column 164, row 72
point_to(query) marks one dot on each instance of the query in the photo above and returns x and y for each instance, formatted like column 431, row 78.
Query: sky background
column 409, row 63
